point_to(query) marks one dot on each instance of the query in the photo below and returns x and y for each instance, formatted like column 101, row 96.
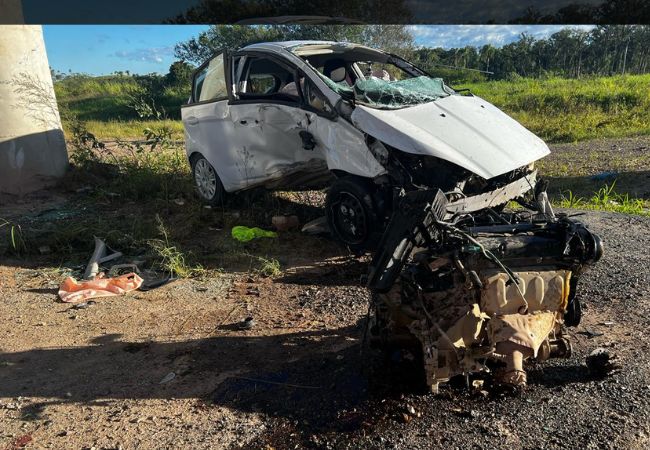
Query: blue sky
column 103, row 49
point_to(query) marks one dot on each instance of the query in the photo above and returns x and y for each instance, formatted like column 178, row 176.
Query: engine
column 478, row 291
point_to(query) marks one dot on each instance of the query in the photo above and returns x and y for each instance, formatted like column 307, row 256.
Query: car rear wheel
column 351, row 213
column 207, row 182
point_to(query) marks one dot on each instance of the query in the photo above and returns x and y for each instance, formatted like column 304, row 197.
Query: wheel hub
column 205, row 179
column 350, row 218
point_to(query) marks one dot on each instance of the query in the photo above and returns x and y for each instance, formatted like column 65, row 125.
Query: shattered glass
column 342, row 88
column 384, row 94
column 396, row 94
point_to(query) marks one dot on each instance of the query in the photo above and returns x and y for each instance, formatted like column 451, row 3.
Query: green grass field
column 558, row 110
column 569, row 110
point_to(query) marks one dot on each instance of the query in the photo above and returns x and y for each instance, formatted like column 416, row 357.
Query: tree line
column 570, row 52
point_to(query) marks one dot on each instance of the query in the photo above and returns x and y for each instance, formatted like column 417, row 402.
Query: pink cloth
column 73, row 291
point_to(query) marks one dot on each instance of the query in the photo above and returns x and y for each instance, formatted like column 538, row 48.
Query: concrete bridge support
column 32, row 146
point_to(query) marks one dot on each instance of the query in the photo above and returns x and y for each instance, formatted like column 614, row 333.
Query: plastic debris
column 247, row 323
column 73, row 291
column 316, row 227
column 285, row 223
column 99, row 256
column 246, row 234
column 167, row 378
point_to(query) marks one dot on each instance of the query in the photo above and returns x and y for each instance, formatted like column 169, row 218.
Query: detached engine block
column 481, row 294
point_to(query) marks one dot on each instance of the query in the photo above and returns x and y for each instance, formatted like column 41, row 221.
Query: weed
column 606, row 199
column 604, row 196
column 268, row 267
column 172, row 260
column 571, row 200
column 14, row 237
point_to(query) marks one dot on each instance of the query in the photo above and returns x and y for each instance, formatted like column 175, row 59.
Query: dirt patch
column 170, row 367
column 173, row 368
column 585, row 167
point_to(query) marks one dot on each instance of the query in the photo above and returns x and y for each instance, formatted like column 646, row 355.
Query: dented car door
column 269, row 144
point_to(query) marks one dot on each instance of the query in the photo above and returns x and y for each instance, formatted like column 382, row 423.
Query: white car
column 294, row 114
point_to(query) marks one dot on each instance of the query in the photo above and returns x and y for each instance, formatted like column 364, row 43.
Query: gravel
column 564, row 406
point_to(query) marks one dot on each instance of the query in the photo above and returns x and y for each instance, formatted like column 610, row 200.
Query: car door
column 206, row 119
column 267, row 118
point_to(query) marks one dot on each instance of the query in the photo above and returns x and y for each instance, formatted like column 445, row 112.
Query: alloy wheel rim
column 350, row 218
column 206, row 179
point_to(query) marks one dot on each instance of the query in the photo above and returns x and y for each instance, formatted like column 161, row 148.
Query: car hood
column 465, row 130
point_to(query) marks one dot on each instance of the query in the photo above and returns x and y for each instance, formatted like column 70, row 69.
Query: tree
column 179, row 74
column 393, row 38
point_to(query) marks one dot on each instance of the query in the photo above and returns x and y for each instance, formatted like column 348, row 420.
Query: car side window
column 210, row 81
column 263, row 83
column 266, row 80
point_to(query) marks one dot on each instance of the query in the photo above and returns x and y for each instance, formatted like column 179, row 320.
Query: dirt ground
column 170, row 368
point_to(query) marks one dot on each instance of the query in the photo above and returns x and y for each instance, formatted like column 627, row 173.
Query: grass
column 139, row 197
column 13, row 235
column 606, row 199
column 171, row 259
column 569, row 110
column 119, row 106
column 128, row 129
column 268, row 267
column 557, row 109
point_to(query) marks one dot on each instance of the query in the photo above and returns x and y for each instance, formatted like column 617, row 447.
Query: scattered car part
column 316, row 227
column 602, row 363
column 477, row 290
column 72, row 291
column 98, row 257
column 285, row 223
column 246, row 234
column 247, row 323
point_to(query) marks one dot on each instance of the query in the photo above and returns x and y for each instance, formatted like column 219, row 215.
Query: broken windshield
column 383, row 94
column 371, row 77
column 379, row 93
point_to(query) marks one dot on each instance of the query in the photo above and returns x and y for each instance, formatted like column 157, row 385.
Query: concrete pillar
column 32, row 145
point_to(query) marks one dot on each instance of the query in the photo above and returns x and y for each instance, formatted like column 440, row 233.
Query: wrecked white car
column 294, row 114
column 422, row 173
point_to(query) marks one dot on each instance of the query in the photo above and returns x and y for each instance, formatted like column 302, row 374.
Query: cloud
column 151, row 55
column 451, row 36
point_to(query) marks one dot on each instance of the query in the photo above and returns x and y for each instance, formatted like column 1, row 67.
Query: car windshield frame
column 416, row 88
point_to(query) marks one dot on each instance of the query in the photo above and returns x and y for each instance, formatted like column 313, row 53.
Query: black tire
column 351, row 213
column 206, row 181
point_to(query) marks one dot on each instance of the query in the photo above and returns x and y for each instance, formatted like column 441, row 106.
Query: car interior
column 266, row 80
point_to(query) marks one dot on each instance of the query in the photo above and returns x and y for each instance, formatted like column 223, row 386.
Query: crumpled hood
column 465, row 130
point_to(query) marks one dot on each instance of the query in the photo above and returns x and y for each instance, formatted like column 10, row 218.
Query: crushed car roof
column 290, row 45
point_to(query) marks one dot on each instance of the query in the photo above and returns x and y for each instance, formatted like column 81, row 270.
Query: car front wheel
column 351, row 213
column 207, row 182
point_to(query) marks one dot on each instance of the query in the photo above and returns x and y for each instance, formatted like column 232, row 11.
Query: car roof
column 287, row 44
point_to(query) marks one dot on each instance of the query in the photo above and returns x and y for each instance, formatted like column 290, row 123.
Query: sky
column 104, row 49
